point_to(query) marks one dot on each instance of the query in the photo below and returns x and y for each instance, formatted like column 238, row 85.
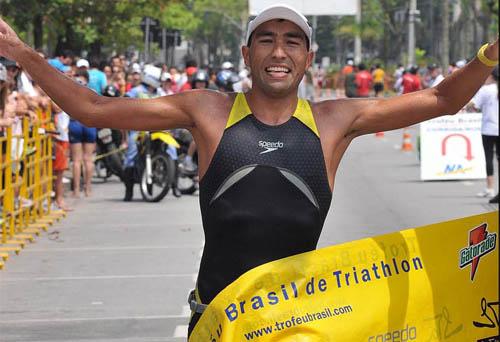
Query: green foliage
column 421, row 58
column 114, row 24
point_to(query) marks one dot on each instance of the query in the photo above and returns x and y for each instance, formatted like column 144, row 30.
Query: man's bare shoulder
column 208, row 109
column 334, row 108
column 336, row 116
column 203, row 101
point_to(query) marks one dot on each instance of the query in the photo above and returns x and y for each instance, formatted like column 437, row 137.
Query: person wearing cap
column 435, row 74
column 97, row 78
column 82, row 141
column 168, row 85
column 147, row 89
column 267, row 159
column 190, row 71
column 134, row 77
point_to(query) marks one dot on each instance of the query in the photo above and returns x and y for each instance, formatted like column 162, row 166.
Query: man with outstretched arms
column 267, row 159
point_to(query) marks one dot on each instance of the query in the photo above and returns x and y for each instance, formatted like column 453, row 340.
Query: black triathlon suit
column 265, row 196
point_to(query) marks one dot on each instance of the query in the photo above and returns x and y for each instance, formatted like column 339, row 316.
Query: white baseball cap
column 280, row 11
column 82, row 63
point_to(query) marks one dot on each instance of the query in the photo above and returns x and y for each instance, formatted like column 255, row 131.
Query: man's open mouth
column 278, row 71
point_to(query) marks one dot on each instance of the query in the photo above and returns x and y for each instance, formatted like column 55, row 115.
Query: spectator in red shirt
column 190, row 71
column 411, row 81
column 364, row 80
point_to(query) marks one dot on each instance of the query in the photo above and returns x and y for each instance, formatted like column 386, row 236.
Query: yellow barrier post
column 26, row 185
column 34, row 225
column 47, row 178
column 8, row 201
column 17, row 169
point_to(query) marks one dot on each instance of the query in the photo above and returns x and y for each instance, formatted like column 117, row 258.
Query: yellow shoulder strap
column 239, row 111
column 305, row 115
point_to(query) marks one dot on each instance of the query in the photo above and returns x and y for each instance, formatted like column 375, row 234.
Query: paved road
column 114, row 271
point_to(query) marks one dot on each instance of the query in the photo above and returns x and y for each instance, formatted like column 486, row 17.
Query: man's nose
column 279, row 51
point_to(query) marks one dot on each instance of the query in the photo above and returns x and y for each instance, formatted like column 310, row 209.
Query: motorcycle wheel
column 186, row 185
column 163, row 171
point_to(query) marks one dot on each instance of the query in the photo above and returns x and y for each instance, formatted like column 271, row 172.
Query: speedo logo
column 270, row 146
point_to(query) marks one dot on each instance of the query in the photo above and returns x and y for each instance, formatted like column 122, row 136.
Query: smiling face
column 277, row 57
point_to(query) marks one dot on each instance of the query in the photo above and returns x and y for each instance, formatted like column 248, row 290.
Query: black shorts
column 378, row 87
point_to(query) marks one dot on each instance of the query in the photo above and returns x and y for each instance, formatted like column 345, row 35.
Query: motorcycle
column 155, row 168
column 109, row 157
column 187, row 181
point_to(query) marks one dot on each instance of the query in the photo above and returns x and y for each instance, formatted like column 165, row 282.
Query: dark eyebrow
column 265, row 34
column 295, row 35
column 291, row 34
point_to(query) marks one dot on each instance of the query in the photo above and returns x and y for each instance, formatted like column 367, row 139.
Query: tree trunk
column 38, row 31
column 445, row 55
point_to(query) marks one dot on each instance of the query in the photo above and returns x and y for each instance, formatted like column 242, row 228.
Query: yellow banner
column 434, row 283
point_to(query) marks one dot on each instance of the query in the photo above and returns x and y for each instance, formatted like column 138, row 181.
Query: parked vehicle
column 109, row 157
column 155, row 168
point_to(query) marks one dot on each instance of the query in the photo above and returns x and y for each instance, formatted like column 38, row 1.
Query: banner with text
column 452, row 148
column 434, row 283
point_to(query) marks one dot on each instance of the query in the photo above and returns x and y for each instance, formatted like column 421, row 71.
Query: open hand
column 9, row 41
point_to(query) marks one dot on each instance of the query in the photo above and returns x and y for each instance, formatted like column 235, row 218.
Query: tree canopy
column 216, row 28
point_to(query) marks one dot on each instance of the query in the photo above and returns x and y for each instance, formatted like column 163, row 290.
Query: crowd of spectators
column 120, row 76
column 74, row 144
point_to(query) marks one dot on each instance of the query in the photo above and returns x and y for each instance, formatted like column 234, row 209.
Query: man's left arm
column 450, row 96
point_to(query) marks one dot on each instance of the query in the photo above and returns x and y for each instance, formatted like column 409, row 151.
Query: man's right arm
column 94, row 110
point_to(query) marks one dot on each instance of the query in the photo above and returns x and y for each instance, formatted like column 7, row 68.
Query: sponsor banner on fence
column 451, row 148
column 434, row 283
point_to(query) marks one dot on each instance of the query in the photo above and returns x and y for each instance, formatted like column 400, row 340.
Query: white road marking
column 181, row 331
column 108, row 277
column 88, row 319
column 186, row 311
column 125, row 248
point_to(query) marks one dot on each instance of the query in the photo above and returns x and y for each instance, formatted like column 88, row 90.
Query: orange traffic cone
column 379, row 135
column 407, row 146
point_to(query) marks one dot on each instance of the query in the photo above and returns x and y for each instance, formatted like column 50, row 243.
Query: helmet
column 166, row 77
column 191, row 70
column 111, row 91
column 225, row 79
column 151, row 81
column 200, row 76
column 227, row 65
column 432, row 66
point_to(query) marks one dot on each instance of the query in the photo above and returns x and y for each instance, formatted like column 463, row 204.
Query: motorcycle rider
column 119, row 137
column 226, row 79
column 146, row 89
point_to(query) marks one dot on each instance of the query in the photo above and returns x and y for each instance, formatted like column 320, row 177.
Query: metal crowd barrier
column 26, row 185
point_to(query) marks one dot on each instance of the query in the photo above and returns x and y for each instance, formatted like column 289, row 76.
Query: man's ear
column 245, row 52
column 310, row 59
